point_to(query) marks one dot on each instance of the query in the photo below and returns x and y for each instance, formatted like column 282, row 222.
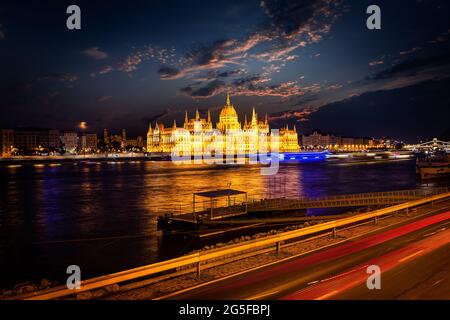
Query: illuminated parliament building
column 198, row 136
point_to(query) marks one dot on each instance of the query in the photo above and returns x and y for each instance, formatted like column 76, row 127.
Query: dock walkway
column 293, row 204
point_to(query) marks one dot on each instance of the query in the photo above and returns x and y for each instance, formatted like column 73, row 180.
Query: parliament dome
column 228, row 110
column 228, row 119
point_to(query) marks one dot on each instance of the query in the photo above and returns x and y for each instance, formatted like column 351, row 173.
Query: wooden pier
column 254, row 209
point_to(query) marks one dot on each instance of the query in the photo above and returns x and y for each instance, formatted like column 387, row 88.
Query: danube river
column 102, row 216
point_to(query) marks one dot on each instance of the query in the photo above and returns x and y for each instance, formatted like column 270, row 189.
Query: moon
column 83, row 125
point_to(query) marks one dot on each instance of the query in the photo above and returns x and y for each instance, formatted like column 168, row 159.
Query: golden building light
column 195, row 136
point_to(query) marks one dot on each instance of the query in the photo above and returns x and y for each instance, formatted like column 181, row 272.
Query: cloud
column 412, row 50
column 220, row 75
column 95, row 53
column 334, row 86
column 162, row 55
column 130, row 63
column 376, row 63
column 104, row 98
column 217, row 55
column 404, row 73
column 292, row 57
column 249, row 81
column 297, row 115
column 408, row 67
column 304, row 101
column 362, row 114
column 257, row 86
column 252, row 85
column 156, row 117
column 211, row 89
column 61, row 77
column 268, row 70
column 102, row 71
column 204, row 58
column 286, row 27
column 230, row 73
column 290, row 18
column 169, row 73
column 289, row 25
column 411, row 67
column 281, row 53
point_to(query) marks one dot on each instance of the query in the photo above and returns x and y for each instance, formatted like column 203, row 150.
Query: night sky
column 311, row 63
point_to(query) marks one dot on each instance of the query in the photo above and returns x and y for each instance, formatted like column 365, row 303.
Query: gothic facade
column 198, row 135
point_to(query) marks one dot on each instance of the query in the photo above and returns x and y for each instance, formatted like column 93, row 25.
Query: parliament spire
column 228, row 100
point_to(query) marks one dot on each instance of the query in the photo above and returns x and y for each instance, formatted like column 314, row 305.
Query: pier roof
column 219, row 193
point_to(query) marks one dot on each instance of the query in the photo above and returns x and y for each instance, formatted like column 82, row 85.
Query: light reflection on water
column 43, row 204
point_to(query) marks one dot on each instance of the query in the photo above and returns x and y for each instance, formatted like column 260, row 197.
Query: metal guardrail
column 400, row 193
column 203, row 257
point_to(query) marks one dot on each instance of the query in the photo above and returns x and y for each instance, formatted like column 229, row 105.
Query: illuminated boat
column 433, row 166
column 304, row 156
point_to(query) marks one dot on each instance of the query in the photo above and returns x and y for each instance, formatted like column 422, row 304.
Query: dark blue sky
column 137, row 61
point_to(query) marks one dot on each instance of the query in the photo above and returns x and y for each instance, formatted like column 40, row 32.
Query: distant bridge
column 433, row 144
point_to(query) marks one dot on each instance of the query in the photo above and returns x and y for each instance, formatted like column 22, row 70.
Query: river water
column 102, row 216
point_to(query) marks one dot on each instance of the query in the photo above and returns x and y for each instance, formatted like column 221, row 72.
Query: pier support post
column 198, row 271
column 193, row 208
column 278, row 247
column 375, row 220
column 334, row 233
column 407, row 212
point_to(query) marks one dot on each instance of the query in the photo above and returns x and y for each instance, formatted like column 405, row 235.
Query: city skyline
column 313, row 64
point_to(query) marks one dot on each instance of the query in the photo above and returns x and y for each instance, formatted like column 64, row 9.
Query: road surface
column 414, row 259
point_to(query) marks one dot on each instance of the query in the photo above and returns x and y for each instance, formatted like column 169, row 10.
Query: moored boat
column 433, row 166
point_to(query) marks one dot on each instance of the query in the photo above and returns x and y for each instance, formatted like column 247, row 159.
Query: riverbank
column 284, row 157
column 73, row 158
